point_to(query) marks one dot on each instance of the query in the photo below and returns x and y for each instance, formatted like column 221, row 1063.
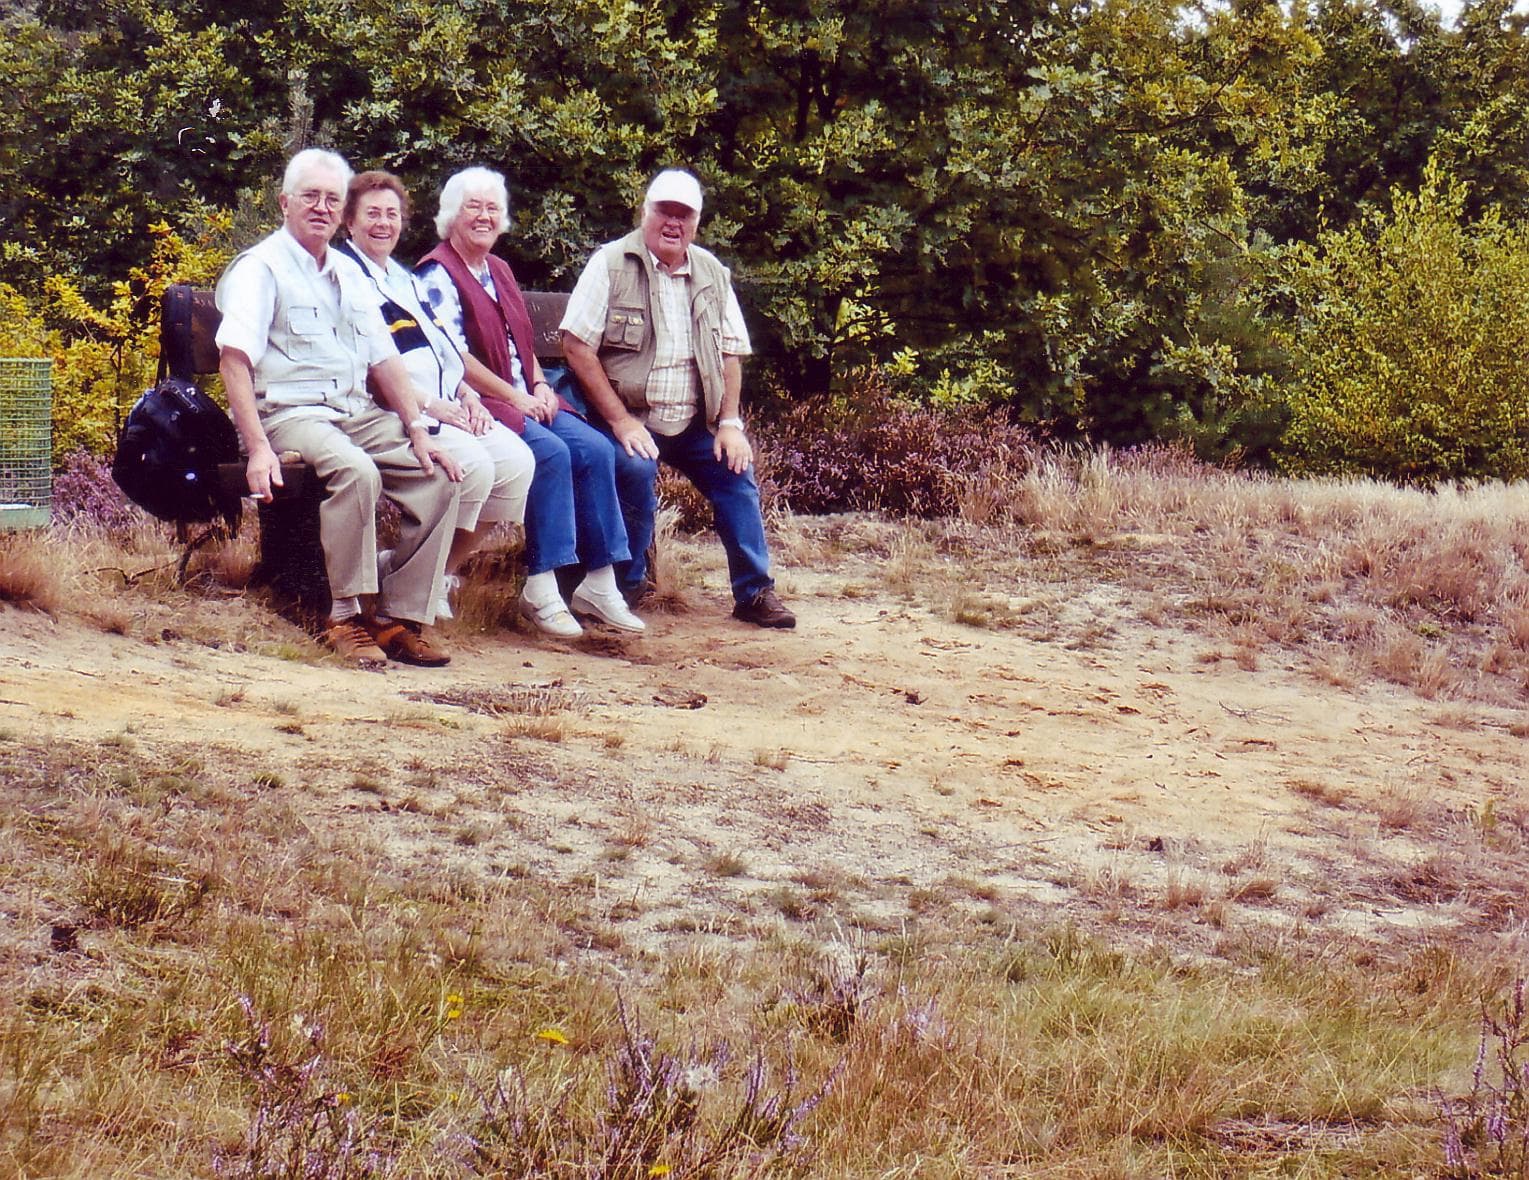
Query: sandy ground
column 715, row 778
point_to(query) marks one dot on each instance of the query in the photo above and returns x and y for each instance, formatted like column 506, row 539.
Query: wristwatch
column 735, row 423
column 424, row 422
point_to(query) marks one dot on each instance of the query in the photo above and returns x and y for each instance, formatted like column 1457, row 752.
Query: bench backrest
column 188, row 328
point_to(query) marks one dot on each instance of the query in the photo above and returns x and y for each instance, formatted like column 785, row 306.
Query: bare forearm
column 239, row 384
column 732, row 387
column 585, row 363
column 488, row 383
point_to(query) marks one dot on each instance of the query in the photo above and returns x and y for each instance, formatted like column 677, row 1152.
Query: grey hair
column 471, row 180
column 308, row 159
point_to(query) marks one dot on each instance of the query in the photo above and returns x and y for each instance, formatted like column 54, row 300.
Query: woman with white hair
column 475, row 296
column 497, row 465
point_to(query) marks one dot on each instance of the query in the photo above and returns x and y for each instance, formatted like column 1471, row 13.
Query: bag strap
column 175, row 353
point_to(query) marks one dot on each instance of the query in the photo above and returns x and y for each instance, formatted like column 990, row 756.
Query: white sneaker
column 450, row 584
column 608, row 608
column 551, row 618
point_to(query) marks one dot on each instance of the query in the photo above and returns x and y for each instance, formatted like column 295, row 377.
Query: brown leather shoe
column 404, row 642
column 353, row 643
column 765, row 609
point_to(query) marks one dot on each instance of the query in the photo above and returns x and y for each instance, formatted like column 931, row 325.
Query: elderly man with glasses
column 300, row 339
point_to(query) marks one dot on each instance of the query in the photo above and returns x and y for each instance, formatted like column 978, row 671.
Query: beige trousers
column 496, row 474
column 359, row 459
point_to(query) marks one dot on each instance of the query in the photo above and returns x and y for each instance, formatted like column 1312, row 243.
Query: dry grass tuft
column 1319, row 792
column 1402, row 809
column 1253, row 889
column 1183, row 893
column 126, row 887
column 28, row 572
column 727, row 864
column 776, row 759
column 672, row 580
column 542, row 728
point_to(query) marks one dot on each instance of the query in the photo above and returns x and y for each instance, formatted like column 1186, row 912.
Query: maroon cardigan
column 492, row 323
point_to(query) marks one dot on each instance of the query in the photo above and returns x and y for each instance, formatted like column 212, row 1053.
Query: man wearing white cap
column 654, row 332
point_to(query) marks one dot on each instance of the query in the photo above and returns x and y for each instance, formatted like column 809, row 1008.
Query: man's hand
column 262, row 473
column 731, row 446
column 634, row 438
column 429, row 453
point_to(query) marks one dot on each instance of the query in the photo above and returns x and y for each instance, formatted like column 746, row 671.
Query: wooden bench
column 291, row 559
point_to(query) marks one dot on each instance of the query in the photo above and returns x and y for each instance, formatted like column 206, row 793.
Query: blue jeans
column 573, row 513
column 734, row 501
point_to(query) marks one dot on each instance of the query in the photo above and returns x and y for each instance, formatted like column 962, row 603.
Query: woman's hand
column 546, row 397
column 451, row 412
column 479, row 420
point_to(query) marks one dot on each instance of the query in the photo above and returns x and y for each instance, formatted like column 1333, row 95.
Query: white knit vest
column 316, row 354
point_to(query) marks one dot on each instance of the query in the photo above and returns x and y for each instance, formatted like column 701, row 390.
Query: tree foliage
column 1073, row 208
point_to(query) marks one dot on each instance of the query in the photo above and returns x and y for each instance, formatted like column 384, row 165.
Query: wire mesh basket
column 26, row 442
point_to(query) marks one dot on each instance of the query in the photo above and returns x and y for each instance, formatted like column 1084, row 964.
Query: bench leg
column 291, row 556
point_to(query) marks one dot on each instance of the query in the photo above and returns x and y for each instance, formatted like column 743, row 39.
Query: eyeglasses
column 476, row 207
column 315, row 198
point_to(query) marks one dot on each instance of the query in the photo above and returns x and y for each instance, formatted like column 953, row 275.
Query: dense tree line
column 1117, row 217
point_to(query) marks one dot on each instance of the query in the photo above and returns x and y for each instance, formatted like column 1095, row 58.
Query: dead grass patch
column 1324, row 793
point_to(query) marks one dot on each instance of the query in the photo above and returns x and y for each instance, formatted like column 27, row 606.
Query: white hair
column 306, row 161
column 471, row 180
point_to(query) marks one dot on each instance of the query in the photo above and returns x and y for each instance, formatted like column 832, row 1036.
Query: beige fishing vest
column 315, row 355
column 630, row 342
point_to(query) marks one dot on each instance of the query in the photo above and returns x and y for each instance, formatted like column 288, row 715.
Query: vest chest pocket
column 359, row 313
column 303, row 330
column 626, row 327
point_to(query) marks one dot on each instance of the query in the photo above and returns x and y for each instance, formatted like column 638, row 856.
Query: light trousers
column 497, row 468
column 359, row 459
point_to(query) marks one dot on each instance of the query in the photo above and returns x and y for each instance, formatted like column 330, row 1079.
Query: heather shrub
column 84, row 494
column 878, row 453
column 694, row 1112
column 1486, row 1131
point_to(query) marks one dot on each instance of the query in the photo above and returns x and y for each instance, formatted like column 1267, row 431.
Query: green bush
column 1408, row 335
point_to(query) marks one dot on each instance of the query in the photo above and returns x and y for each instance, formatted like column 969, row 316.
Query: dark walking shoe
column 765, row 609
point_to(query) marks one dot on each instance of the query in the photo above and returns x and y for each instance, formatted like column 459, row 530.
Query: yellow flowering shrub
column 103, row 358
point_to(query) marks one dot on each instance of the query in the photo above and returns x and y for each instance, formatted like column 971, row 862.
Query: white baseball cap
column 674, row 185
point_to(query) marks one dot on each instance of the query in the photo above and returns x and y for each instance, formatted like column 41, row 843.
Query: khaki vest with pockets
column 630, row 342
column 313, row 357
